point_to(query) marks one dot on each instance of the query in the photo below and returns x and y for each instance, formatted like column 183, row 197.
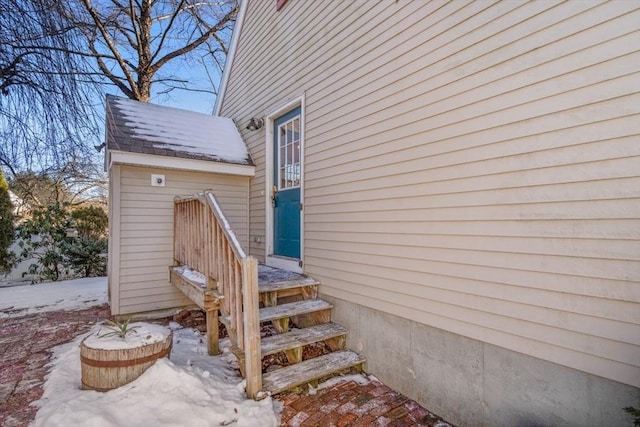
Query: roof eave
column 178, row 163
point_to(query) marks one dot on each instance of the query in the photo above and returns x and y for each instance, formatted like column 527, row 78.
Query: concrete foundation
column 471, row 383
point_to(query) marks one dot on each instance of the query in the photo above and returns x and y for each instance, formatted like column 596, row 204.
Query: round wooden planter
column 104, row 370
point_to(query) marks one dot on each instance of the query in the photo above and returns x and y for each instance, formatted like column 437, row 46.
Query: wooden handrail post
column 251, row 326
column 204, row 240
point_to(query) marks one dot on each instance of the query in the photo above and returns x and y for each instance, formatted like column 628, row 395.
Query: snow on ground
column 55, row 296
column 137, row 335
column 356, row 378
column 192, row 389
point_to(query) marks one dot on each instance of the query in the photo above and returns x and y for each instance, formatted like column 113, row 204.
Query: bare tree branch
column 188, row 48
column 131, row 90
column 46, row 115
column 167, row 30
column 58, row 58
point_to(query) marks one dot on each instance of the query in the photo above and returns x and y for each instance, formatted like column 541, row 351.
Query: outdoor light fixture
column 255, row 123
column 100, row 147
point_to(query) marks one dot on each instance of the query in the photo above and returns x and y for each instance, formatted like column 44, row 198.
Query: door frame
column 271, row 260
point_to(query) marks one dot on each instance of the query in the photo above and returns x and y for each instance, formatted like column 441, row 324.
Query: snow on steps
column 301, row 337
column 273, row 283
column 293, row 309
column 312, row 369
column 284, row 311
column 193, row 287
column 272, row 279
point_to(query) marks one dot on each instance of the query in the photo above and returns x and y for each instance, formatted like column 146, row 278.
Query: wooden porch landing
column 271, row 281
column 300, row 307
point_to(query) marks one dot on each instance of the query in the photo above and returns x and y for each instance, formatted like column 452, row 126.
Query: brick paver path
column 25, row 344
column 352, row 404
column 25, row 351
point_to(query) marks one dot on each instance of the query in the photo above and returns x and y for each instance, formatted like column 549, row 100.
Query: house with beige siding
column 462, row 178
column 153, row 155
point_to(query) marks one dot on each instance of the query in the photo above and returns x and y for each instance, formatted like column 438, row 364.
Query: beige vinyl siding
column 146, row 230
column 474, row 166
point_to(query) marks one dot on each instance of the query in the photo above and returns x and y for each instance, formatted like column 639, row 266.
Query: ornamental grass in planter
column 121, row 352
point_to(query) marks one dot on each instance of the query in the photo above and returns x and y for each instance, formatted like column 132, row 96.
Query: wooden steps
column 310, row 370
column 274, row 283
column 313, row 317
column 301, row 306
column 293, row 309
column 273, row 279
column 301, row 337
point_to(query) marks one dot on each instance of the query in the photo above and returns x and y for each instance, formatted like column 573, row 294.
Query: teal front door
column 286, row 190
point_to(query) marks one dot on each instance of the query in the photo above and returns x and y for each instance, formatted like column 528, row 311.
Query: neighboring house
column 20, row 207
column 463, row 178
column 154, row 154
column 19, row 274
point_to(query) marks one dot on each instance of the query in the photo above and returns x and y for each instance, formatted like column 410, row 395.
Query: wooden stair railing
column 204, row 241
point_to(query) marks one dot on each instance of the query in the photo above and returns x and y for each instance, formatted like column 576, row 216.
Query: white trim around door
column 290, row 264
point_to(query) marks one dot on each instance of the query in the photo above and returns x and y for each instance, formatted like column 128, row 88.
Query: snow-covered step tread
column 301, row 337
column 293, row 309
column 272, row 279
column 304, row 372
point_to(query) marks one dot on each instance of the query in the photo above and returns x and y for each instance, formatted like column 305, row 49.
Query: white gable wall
column 471, row 167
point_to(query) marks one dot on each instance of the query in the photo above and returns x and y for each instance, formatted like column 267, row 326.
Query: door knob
column 274, row 192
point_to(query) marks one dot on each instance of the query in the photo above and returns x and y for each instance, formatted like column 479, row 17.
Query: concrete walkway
column 25, row 344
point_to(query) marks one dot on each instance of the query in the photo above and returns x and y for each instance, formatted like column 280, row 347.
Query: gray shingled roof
column 139, row 127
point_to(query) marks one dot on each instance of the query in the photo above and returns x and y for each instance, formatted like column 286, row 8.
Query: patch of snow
column 373, row 378
column 312, row 391
column 269, row 274
column 54, row 296
column 191, row 389
column 441, row 424
column 191, row 274
column 356, row 378
column 140, row 334
column 298, row 419
column 184, row 131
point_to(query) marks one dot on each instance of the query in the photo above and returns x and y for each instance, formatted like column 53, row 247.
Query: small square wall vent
column 157, row 180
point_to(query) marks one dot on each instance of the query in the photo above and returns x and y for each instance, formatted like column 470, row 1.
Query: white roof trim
column 150, row 160
column 229, row 62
